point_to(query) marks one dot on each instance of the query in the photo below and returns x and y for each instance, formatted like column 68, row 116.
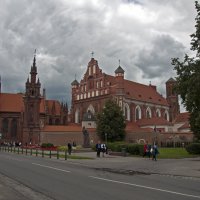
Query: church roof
column 75, row 82
column 143, row 93
column 53, row 107
column 11, row 102
column 119, row 70
column 182, row 117
column 171, row 80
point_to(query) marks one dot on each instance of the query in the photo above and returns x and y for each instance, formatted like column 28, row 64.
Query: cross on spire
column 119, row 62
column 92, row 54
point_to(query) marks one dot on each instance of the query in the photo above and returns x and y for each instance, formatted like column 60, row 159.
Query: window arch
column 14, row 128
column 57, row 122
column 77, row 116
column 127, row 111
column 138, row 113
column 50, row 121
column 5, row 127
column 148, row 113
column 166, row 115
column 91, row 109
column 158, row 113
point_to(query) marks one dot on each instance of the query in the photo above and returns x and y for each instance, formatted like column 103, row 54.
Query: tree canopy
column 111, row 122
column 188, row 78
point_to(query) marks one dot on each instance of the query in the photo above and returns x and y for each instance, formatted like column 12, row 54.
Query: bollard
column 18, row 150
column 22, row 150
column 31, row 151
column 50, row 154
column 36, row 152
column 57, row 154
column 26, row 150
column 11, row 149
column 43, row 153
column 14, row 149
column 65, row 154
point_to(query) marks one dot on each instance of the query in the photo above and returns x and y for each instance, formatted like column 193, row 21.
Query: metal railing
column 35, row 151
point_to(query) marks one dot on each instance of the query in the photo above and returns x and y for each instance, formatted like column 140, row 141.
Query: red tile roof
column 186, row 125
column 140, row 92
column 50, row 104
column 146, row 93
column 182, row 117
column 14, row 103
column 11, row 102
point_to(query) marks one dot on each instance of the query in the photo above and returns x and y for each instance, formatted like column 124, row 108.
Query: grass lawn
column 174, row 153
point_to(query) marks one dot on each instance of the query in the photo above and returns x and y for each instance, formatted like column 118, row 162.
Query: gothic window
column 166, row 115
column 77, row 115
column 158, row 113
column 64, row 120
column 94, row 69
column 101, row 83
column 137, row 113
column 14, row 128
column 148, row 113
column 5, row 126
column 57, row 122
column 89, row 71
column 127, row 112
column 50, row 121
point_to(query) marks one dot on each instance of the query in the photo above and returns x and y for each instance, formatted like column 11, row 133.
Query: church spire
column 34, row 69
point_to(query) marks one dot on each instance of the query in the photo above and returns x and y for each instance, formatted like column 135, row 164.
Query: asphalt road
column 27, row 177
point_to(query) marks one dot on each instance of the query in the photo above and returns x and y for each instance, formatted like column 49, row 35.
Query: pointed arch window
column 138, row 113
column 57, row 122
column 127, row 112
column 166, row 115
column 158, row 113
column 13, row 128
column 148, row 113
column 5, row 127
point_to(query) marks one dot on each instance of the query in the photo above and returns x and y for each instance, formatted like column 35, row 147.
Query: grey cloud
column 156, row 61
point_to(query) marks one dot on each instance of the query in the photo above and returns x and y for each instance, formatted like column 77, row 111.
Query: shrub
column 193, row 148
column 47, row 145
column 134, row 149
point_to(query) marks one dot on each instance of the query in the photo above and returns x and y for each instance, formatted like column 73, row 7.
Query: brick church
column 22, row 116
column 31, row 118
column 139, row 102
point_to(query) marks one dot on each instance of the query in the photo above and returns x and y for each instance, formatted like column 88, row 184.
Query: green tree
column 111, row 122
column 188, row 78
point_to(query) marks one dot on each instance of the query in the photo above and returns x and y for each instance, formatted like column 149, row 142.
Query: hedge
column 193, row 148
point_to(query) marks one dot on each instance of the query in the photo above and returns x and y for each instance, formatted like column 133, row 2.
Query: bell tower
column 32, row 99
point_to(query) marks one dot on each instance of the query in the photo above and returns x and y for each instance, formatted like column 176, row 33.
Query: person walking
column 103, row 149
column 145, row 149
column 69, row 146
column 98, row 149
column 155, row 152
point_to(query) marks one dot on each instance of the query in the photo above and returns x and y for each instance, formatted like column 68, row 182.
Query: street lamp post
column 106, row 139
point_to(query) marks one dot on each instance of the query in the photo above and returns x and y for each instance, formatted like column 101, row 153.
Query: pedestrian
column 98, row 149
column 69, row 146
column 103, row 149
column 145, row 149
column 155, row 152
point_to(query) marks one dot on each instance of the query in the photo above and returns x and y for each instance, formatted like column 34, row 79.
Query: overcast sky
column 143, row 34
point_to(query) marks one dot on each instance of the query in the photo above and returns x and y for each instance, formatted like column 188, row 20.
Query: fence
column 35, row 151
column 174, row 144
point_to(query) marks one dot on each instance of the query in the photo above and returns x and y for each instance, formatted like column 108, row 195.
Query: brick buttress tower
column 32, row 99
column 172, row 99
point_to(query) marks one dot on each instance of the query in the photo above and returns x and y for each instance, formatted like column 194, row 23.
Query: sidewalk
column 188, row 167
